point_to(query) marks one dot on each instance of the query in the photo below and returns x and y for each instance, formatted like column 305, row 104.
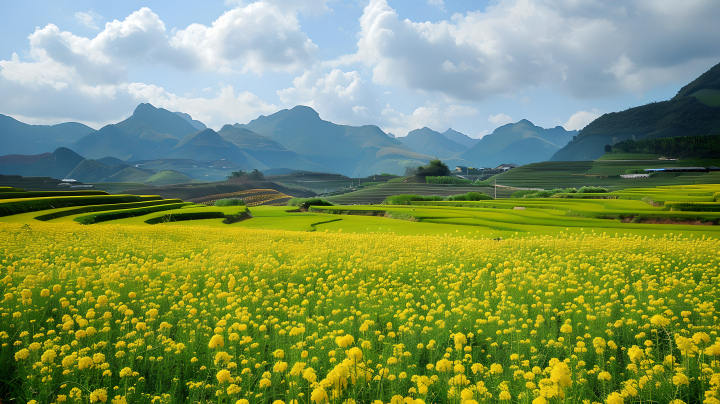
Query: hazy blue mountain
column 111, row 141
column 266, row 150
column 91, row 171
column 518, row 143
column 432, row 143
column 20, row 138
column 195, row 123
column 341, row 148
column 694, row 111
column 147, row 118
column 56, row 164
column 110, row 161
column 461, row 138
column 209, row 145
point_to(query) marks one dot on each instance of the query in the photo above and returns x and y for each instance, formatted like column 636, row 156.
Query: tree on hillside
column 435, row 168
column 255, row 175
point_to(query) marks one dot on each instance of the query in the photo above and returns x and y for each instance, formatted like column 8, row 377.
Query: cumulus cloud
column 584, row 48
column 70, row 77
column 225, row 107
column 342, row 97
column 581, row 119
column 500, row 119
column 315, row 7
column 89, row 19
column 254, row 38
column 435, row 117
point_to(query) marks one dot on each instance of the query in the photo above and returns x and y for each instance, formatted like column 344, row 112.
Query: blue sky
column 401, row 65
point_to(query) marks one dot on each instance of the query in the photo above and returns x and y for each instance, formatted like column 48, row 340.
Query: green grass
column 58, row 213
column 629, row 156
column 45, row 194
column 170, row 177
column 707, row 96
column 126, row 213
column 23, row 205
column 602, row 173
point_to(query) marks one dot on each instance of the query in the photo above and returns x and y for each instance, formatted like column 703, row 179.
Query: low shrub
column 126, row 213
column 34, row 205
column 405, row 199
column 307, row 202
column 470, row 196
column 177, row 217
column 445, row 180
column 522, row 193
column 230, row 202
column 592, row 190
column 101, row 208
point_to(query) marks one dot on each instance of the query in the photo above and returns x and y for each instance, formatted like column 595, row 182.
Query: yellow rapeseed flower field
column 124, row 314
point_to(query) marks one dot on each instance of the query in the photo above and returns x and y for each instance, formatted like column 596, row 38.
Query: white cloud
column 224, row 108
column 255, row 38
column 69, row 77
column 584, row 48
column 500, row 119
column 342, row 97
column 89, row 19
column 316, row 7
column 581, row 119
column 435, row 117
column 439, row 4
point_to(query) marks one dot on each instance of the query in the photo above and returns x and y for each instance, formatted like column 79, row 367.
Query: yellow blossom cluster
column 124, row 314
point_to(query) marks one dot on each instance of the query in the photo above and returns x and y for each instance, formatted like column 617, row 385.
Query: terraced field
column 251, row 197
column 378, row 193
column 638, row 211
column 600, row 173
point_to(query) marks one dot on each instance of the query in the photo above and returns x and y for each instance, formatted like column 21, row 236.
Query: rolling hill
column 20, row 138
column 694, row 111
column 432, row 143
column 56, row 164
column 209, row 145
column 519, row 143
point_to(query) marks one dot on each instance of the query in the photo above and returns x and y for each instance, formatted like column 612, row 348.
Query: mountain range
column 694, row 111
column 154, row 139
column 295, row 138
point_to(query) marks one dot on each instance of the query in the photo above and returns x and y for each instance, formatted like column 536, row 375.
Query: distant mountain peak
column 195, row 123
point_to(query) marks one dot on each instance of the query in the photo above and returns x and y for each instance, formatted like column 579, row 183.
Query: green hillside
column 694, row 111
column 169, row 177
column 600, row 173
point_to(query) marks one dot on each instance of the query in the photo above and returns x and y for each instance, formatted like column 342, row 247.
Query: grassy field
column 378, row 193
column 600, row 173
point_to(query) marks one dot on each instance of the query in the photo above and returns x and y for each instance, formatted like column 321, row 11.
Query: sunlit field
column 160, row 314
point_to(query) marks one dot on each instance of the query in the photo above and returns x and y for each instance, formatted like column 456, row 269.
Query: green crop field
column 378, row 193
column 601, row 173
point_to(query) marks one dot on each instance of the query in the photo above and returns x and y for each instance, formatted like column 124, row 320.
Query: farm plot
column 378, row 193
